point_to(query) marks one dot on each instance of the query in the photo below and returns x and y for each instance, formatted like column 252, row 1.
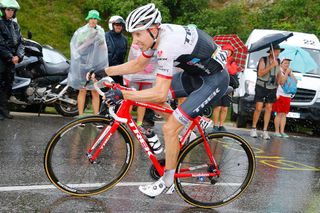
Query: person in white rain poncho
column 89, row 52
column 141, row 80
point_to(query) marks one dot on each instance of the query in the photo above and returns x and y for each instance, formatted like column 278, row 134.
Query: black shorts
column 224, row 102
column 201, row 91
column 265, row 95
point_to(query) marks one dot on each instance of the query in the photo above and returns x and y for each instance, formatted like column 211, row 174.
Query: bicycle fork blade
column 97, row 145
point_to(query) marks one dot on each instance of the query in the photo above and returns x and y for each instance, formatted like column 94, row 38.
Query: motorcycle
column 41, row 80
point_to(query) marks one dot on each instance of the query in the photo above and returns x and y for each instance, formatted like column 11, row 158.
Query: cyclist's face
column 142, row 39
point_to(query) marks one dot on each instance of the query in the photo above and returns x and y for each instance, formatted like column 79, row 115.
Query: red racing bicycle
column 83, row 160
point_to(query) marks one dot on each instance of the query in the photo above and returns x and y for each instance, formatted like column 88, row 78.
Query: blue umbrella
column 301, row 60
column 269, row 40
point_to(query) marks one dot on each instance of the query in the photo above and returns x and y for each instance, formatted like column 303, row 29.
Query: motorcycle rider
column 11, row 52
column 117, row 44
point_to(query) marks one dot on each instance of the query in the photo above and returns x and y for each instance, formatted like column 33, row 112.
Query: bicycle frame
column 123, row 116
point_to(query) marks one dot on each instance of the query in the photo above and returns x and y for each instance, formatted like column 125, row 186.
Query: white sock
column 168, row 177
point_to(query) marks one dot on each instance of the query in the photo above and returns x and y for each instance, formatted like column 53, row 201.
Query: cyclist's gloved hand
column 100, row 74
column 113, row 96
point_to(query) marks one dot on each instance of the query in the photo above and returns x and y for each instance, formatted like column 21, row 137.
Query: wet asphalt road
column 287, row 177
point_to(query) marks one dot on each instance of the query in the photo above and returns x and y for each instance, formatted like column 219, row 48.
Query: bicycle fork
column 101, row 141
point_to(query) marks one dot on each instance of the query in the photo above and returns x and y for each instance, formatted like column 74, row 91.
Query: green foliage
column 291, row 15
column 53, row 22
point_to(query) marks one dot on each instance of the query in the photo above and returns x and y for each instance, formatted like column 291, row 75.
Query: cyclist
column 203, row 79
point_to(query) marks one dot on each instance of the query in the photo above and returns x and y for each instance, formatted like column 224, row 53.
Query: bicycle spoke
column 235, row 167
column 70, row 169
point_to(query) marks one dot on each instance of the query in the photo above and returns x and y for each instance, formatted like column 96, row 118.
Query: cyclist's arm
column 130, row 67
column 156, row 94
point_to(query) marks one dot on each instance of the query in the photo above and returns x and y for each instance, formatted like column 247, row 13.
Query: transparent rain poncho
column 89, row 52
column 148, row 74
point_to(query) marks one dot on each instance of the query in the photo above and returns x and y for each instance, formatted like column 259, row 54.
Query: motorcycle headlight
column 250, row 87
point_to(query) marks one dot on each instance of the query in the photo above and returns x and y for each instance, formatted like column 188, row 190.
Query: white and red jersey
column 188, row 49
column 148, row 74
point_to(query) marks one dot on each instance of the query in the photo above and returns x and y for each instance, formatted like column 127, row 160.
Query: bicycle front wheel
column 236, row 163
column 67, row 163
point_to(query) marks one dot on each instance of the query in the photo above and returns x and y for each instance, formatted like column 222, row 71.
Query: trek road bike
column 83, row 160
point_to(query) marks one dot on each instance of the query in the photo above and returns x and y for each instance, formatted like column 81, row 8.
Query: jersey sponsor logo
column 163, row 69
column 159, row 53
column 188, row 35
column 203, row 104
column 195, row 62
column 140, row 138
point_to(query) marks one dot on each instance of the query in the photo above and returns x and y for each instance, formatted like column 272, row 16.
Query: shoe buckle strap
column 169, row 190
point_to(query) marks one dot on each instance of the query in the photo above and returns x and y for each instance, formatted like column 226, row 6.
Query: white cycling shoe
column 156, row 188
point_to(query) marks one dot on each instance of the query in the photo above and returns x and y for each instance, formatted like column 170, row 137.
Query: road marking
column 41, row 187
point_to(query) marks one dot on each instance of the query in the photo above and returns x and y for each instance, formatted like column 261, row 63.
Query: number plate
column 293, row 115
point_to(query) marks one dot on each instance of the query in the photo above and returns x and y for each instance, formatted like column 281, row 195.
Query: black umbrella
column 269, row 40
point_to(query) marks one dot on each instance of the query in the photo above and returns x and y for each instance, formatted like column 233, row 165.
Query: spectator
column 221, row 107
column 11, row 53
column 282, row 105
column 141, row 80
column 88, row 52
column 117, row 44
column 266, row 88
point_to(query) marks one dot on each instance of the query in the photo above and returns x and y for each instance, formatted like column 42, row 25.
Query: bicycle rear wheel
column 67, row 164
column 235, row 160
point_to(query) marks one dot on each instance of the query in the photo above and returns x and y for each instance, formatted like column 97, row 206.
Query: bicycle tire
column 68, row 167
column 236, row 162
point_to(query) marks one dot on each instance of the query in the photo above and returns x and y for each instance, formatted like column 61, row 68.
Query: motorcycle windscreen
column 89, row 52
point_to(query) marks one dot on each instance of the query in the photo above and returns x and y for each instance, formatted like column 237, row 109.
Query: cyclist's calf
column 171, row 131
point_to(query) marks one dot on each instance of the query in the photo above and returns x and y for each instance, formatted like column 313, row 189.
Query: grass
column 51, row 22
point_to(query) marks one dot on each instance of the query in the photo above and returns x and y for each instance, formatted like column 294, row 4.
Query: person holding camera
column 266, row 89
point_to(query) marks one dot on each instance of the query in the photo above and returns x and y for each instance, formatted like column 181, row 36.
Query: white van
column 305, row 106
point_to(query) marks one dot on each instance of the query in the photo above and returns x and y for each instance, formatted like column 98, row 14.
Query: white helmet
column 143, row 17
column 115, row 20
